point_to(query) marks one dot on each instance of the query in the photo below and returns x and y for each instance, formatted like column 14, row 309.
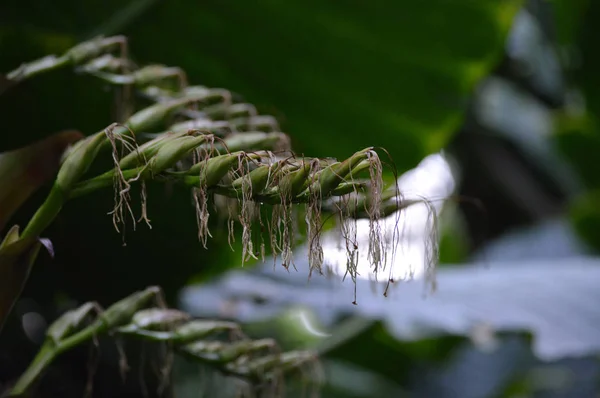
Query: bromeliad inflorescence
column 220, row 149
column 220, row 344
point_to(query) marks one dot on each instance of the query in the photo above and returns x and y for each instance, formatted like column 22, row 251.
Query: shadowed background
column 507, row 88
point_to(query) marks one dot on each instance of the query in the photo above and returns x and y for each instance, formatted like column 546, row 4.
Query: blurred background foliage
column 508, row 89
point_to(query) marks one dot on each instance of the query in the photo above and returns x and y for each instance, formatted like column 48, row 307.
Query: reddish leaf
column 24, row 170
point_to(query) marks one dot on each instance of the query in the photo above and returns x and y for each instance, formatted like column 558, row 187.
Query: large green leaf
column 343, row 75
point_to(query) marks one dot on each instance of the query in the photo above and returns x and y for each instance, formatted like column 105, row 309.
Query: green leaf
column 343, row 76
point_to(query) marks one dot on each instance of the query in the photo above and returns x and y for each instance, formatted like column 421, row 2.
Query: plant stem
column 48, row 353
column 46, row 213
column 73, row 168
column 102, row 181
column 42, row 360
